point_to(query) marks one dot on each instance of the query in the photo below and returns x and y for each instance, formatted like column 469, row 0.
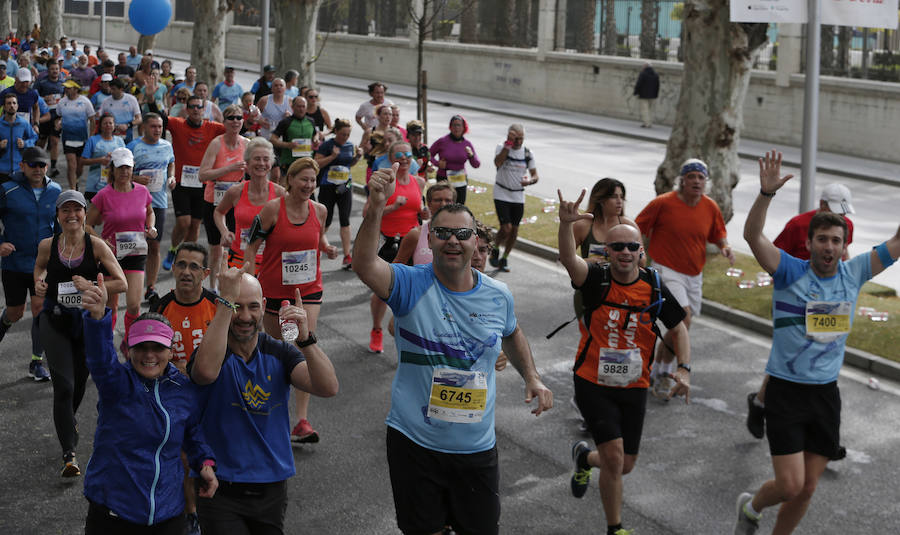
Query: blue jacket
column 25, row 220
column 142, row 426
column 12, row 154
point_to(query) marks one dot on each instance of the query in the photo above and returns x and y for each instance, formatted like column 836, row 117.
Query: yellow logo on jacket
column 255, row 396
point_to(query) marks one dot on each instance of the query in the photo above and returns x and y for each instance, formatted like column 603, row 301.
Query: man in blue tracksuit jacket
column 16, row 134
column 28, row 214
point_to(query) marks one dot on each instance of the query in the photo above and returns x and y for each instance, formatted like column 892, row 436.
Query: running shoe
column 745, row 525
column 53, row 173
column 347, row 262
column 840, row 454
column 376, row 341
column 303, row 433
column 623, row 531
column 193, row 524
column 503, row 265
column 495, row 257
column 70, row 466
column 170, row 258
column 756, row 417
column 150, row 296
column 37, row 370
column 662, row 386
column 582, row 475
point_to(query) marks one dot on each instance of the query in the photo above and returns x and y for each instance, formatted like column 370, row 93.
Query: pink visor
column 150, row 331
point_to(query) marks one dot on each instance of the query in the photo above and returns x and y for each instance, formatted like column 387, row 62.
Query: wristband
column 764, row 194
column 685, row 367
column 308, row 342
column 884, row 255
column 227, row 303
column 209, row 462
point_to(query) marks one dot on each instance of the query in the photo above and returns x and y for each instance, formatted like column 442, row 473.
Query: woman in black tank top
column 66, row 265
column 315, row 112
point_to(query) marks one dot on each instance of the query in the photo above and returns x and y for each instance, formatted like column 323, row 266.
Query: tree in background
column 358, row 22
column 5, row 17
column 649, row 28
column 718, row 57
column 51, row 19
column 208, row 39
column 295, row 37
column 584, row 31
column 145, row 43
column 468, row 24
column 609, row 28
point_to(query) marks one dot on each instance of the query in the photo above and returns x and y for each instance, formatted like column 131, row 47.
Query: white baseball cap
column 839, row 199
column 106, row 77
column 122, row 156
column 23, row 75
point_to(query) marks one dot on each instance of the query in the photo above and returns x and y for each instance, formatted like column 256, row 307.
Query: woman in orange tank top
column 294, row 228
column 222, row 165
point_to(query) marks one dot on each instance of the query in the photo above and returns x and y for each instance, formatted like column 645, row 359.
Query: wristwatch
column 308, row 342
column 685, row 367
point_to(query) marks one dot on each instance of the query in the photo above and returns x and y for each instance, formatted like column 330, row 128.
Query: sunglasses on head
column 35, row 164
column 398, row 155
column 619, row 246
column 234, row 118
column 444, row 233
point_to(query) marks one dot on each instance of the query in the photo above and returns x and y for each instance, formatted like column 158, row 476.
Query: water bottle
column 289, row 330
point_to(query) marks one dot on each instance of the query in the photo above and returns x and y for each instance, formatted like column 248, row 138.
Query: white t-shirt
column 367, row 112
column 508, row 183
column 123, row 109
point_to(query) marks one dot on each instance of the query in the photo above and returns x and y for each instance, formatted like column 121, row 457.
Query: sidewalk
column 828, row 162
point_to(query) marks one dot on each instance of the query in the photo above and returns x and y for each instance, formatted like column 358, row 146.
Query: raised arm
column 208, row 360
column 885, row 254
column 568, row 215
column 770, row 181
column 372, row 270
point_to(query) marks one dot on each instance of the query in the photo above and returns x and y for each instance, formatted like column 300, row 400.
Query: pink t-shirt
column 122, row 212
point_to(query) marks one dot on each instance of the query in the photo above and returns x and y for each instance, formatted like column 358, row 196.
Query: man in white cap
column 27, row 97
column 103, row 91
column 836, row 198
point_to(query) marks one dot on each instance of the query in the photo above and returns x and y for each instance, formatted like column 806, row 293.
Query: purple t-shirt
column 122, row 212
column 455, row 154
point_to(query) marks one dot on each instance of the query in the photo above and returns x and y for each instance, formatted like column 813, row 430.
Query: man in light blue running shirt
column 154, row 167
column 450, row 325
column 813, row 304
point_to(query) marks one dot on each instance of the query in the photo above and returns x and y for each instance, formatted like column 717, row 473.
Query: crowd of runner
column 194, row 429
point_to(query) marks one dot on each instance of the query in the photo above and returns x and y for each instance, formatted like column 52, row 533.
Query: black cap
column 35, row 154
column 269, row 68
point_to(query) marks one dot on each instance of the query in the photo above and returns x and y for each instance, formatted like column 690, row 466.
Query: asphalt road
column 694, row 460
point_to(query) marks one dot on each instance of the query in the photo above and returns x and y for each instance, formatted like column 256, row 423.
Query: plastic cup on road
column 879, row 316
column 734, row 272
column 865, row 311
column 746, row 284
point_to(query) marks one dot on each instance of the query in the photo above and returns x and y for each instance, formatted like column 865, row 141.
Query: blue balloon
column 149, row 17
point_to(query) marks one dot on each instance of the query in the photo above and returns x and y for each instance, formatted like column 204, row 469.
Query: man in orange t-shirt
column 676, row 226
column 613, row 356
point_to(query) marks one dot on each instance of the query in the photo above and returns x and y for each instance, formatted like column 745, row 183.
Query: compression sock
column 36, row 347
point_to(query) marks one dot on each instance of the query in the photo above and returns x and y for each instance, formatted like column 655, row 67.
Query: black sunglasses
column 444, row 233
column 618, row 246
column 195, row 107
column 235, row 117
column 36, row 164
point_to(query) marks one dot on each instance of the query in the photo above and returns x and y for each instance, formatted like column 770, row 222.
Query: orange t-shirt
column 678, row 233
column 189, row 321
column 618, row 328
column 190, row 143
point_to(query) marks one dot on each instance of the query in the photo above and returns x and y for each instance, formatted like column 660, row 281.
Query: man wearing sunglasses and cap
column 28, row 196
column 676, row 226
column 622, row 302
column 451, row 323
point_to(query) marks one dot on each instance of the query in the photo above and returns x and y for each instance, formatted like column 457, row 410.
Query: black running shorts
column 802, row 417
column 612, row 413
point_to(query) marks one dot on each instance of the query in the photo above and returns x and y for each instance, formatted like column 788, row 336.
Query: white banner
column 863, row 13
column 768, row 11
column 859, row 13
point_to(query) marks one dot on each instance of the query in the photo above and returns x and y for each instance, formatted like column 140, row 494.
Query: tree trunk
column 386, row 18
column 609, row 30
column 584, row 32
column 28, row 16
column 208, row 41
column 5, row 17
column 51, row 19
column 649, row 24
column 145, row 43
column 358, row 19
column 718, row 57
column 295, row 37
column 843, row 56
column 826, row 61
column 468, row 24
